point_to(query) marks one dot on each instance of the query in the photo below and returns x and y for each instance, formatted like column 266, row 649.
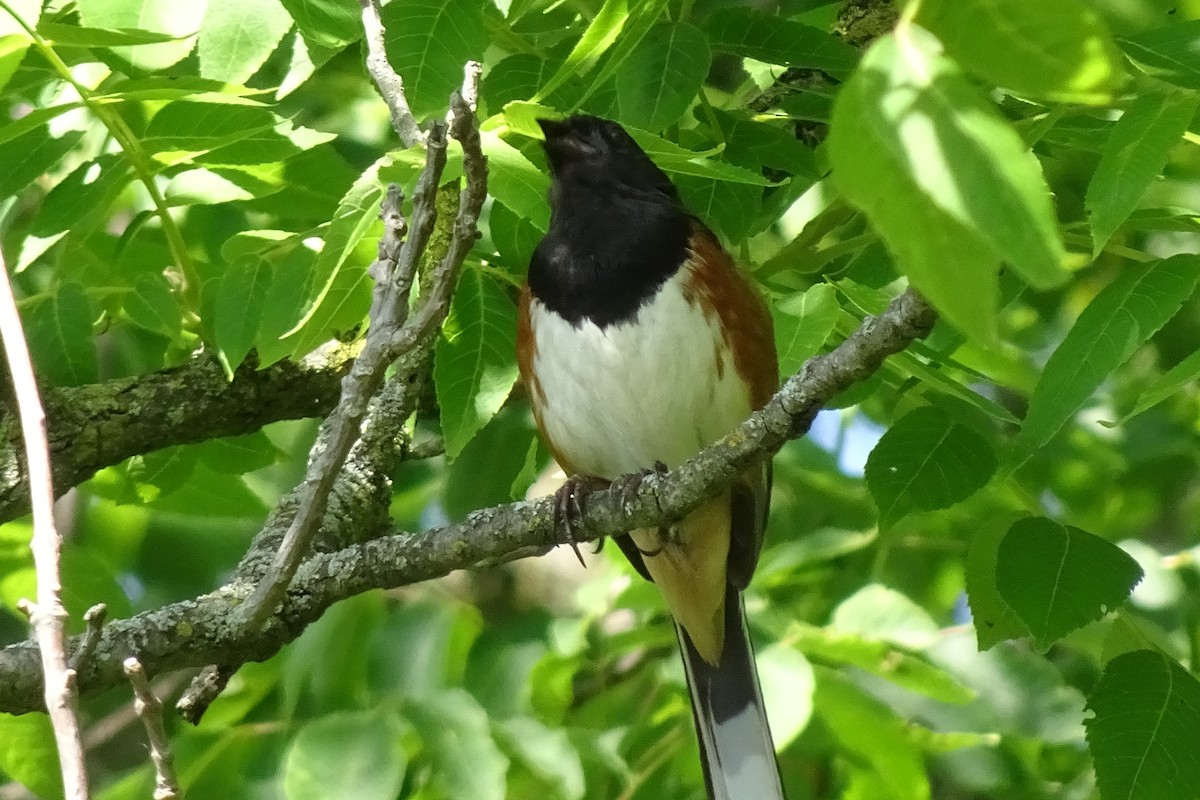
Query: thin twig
column 391, row 86
column 48, row 615
column 147, row 706
column 94, row 618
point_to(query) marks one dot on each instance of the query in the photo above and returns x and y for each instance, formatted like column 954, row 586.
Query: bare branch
column 48, row 615
column 94, row 617
column 389, row 82
column 101, row 424
column 199, row 631
column 341, row 429
column 390, row 334
column 148, row 707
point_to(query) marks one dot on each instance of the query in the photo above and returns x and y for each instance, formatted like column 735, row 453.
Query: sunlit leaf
column 803, row 323
column 945, row 180
column 237, row 36
column 1061, row 50
column 177, row 18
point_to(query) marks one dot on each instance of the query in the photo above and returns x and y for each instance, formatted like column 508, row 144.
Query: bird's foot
column 568, row 510
column 627, row 488
column 627, row 485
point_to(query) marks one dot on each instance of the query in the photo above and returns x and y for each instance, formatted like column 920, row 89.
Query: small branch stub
column 149, row 710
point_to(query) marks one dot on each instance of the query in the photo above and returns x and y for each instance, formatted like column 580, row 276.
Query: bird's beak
column 553, row 129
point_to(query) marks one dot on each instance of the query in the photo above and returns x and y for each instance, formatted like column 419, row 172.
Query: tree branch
column 47, row 615
column 149, row 709
column 391, row 333
column 102, row 424
column 200, row 631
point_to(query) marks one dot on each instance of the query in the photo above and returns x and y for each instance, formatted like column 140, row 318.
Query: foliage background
column 941, row 609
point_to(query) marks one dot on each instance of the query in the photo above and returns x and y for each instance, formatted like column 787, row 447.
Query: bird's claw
column 568, row 510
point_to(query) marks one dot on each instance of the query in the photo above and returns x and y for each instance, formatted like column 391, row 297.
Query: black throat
column 607, row 251
column 618, row 229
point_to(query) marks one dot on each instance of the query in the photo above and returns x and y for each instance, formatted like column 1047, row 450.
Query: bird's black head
column 590, row 150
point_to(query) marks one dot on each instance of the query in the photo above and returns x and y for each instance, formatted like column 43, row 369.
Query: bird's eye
column 613, row 133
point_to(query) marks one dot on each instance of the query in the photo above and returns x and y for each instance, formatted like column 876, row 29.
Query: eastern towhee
column 640, row 342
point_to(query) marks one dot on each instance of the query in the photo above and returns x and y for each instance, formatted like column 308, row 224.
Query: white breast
column 656, row 388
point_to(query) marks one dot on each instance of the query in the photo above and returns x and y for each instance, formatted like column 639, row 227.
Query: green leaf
column 209, row 494
column 1164, row 387
column 237, row 455
column 177, row 18
column 728, row 208
column 681, row 161
column 84, row 194
column 1058, row 578
column 994, row 619
column 59, row 329
column 14, row 40
column 347, row 756
column 327, row 23
column 642, row 18
column 1134, row 156
column 153, row 306
column 948, row 184
column 880, row 658
column 881, row 613
column 1143, row 733
column 31, row 155
column 284, row 305
column 880, row 760
column 1119, row 319
column 662, row 75
column 237, row 312
column 428, row 42
column 185, row 130
column 1059, row 51
column 237, row 36
column 926, row 461
column 28, row 754
column 341, row 294
column 475, row 364
column 514, row 181
column 515, row 237
column 466, row 761
column 601, row 32
column 803, row 323
column 62, row 35
column 788, row 686
column 1168, row 53
column 777, row 40
column 546, row 752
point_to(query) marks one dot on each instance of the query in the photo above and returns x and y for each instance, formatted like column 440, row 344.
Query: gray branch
column 102, row 424
column 201, row 631
column 391, row 333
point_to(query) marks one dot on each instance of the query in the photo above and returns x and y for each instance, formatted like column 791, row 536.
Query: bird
column 640, row 342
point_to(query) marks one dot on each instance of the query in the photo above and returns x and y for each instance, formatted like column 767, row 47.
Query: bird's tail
column 731, row 720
